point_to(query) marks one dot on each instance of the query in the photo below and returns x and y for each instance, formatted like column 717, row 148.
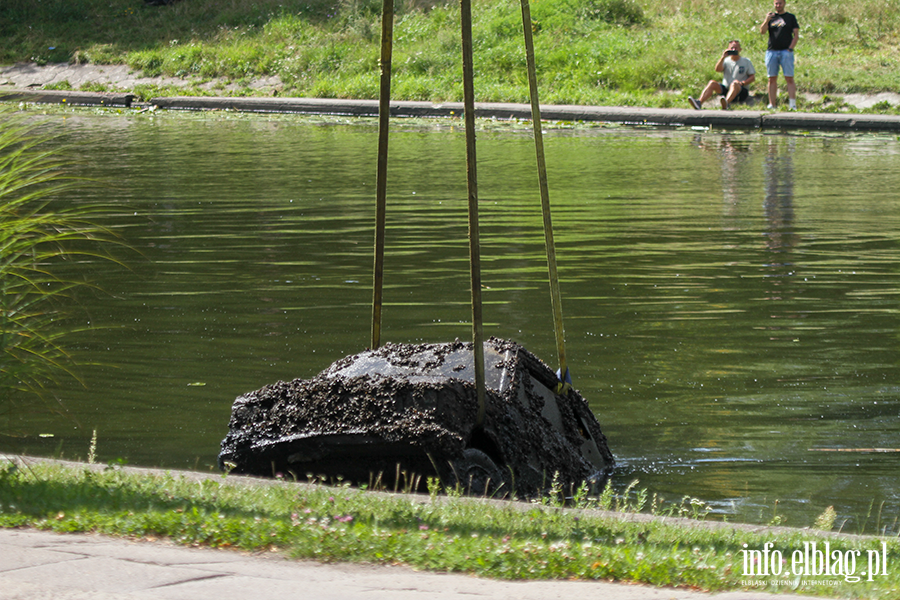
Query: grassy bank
column 603, row 52
column 442, row 533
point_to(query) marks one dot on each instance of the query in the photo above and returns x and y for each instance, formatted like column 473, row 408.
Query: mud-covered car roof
column 411, row 409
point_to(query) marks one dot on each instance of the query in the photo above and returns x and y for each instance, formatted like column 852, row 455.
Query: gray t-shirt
column 739, row 69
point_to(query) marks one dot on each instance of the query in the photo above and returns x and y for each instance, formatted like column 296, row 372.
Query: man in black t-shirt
column 784, row 32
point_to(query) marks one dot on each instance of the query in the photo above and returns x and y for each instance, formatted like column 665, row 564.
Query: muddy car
column 402, row 413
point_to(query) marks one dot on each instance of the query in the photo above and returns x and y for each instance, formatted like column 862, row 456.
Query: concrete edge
column 846, row 122
column 250, row 481
column 70, row 98
column 672, row 117
column 483, row 110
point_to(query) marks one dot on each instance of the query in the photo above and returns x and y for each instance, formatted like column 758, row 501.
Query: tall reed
column 38, row 234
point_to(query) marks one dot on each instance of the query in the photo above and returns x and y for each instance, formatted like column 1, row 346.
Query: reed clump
column 40, row 238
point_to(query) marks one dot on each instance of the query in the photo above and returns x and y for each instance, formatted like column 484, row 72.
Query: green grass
column 604, row 52
column 435, row 532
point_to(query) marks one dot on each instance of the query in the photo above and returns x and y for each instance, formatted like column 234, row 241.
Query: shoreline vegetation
column 589, row 52
column 583, row 538
column 37, row 235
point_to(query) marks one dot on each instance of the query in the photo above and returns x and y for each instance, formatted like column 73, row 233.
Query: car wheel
column 476, row 474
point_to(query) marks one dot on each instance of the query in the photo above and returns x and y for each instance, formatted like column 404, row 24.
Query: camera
column 731, row 52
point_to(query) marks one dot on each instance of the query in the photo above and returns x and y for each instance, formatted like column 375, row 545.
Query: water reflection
column 730, row 299
column 734, row 165
column 779, row 202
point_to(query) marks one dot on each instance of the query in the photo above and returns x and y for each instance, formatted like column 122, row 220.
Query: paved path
column 23, row 82
column 37, row 565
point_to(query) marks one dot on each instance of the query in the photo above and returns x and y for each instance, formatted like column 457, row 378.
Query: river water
column 730, row 298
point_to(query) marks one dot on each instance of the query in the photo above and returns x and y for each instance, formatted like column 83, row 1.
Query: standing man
column 737, row 74
column 784, row 31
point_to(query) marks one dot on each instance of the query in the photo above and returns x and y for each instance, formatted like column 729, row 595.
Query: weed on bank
column 438, row 532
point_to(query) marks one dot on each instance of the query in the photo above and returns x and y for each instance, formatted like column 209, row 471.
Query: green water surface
column 730, row 298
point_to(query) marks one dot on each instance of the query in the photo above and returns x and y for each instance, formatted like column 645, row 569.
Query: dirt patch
column 120, row 78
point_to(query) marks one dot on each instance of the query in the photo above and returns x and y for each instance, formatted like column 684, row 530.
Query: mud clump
column 411, row 411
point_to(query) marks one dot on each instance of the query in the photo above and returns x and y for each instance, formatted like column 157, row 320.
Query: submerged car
column 410, row 412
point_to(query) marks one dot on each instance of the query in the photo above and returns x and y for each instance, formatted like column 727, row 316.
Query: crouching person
column 737, row 74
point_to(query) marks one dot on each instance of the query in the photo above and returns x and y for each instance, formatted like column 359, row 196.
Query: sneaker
column 792, row 105
column 724, row 103
column 695, row 103
column 770, row 107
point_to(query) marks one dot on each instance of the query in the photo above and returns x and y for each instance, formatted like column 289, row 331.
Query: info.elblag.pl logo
column 815, row 560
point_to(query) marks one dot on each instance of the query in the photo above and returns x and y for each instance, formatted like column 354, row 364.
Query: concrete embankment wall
column 737, row 119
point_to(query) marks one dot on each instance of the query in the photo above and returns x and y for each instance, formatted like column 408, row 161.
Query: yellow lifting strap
column 565, row 381
column 465, row 7
column 384, row 111
column 387, row 18
column 472, row 185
